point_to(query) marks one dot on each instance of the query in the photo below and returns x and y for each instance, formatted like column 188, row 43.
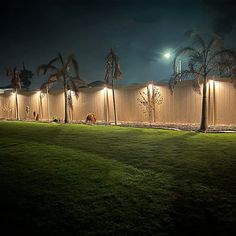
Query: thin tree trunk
column 114, row 101
column 66, row 101
column 214, row 103
column 107, row 105
column 149, row 105
column 17, row 108
column 48, row 105
column 70, row 108
column 65, row 91
column 153, row 105
column 40, row 105
column 203, row 126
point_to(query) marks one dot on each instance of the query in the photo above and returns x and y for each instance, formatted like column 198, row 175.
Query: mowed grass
column 58, row 179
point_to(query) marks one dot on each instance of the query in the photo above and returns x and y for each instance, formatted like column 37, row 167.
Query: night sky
column 139, row 31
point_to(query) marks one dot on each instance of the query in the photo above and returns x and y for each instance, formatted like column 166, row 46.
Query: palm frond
column 72, row 62
column 172, row 83
column 183, row 75
column 44, row 86
column 45, row 68
column 226, row 55
column 196, row 84
column 117, row 72
column 61, row 59
column 75, row 66
column 78, row 80
column 9, row 72
column 215, row 43
column 74, row 87
column 213, row 59
column 54, row 60
column 108, row 70
column 182, row 52
column 112, row 67
column 197, row 40
column 54, row 77
column 14, row 76
column 70, row 99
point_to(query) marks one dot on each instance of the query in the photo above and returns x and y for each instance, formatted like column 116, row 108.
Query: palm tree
column 112, row 72
column 204, row 60
column 63, row 70
column 26, row 77
column 14, row 76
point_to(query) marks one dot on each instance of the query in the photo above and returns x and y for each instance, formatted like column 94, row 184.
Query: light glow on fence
column 217, row 83
column 71, row 92
column 211, row 82
column 150, row 87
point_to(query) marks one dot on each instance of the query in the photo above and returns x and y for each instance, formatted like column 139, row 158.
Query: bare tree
column 65, row 70
column 149, row 100
column 112, row 72
column 204, row 60
column 14, row 77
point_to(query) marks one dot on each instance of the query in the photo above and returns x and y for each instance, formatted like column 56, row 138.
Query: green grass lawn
column 95, row 180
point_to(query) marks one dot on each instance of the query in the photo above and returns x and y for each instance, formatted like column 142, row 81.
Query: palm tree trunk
column 17, row 108
column 106, row 104
column 65, row 91
column 48, row 105
column 114, row 101
column 203, row 126
column 40, row 105
column 66, row 101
